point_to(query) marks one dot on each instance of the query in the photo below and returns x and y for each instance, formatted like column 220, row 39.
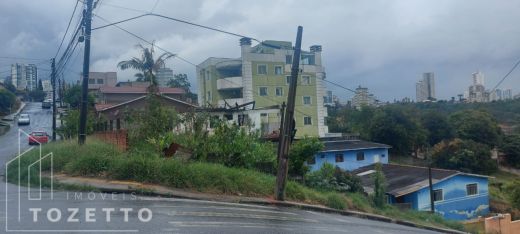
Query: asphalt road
column 93, row 212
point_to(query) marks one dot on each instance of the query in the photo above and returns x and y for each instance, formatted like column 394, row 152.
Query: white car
column 24, row 119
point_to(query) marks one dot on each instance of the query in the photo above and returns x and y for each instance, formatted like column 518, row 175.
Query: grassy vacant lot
column 97, row 159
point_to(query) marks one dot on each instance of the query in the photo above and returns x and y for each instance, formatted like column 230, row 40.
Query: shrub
column 330, row 178
column 301, row 151
column 379, row 187
column 336, row 201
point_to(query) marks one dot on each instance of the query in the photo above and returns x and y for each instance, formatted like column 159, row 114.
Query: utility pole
column 87, row 20
column 53, row 83
column 288, row 122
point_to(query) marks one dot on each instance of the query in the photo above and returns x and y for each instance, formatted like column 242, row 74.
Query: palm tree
column 146, row 64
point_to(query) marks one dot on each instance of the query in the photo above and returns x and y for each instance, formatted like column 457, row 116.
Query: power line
column 502, row 80
column 187, row 61
column 67, row 30
column 21, row 58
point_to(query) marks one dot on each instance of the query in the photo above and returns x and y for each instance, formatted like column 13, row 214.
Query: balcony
column 230, row 83
column 231, row 102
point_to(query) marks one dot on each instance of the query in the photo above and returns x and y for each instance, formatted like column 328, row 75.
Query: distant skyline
column 385, row 46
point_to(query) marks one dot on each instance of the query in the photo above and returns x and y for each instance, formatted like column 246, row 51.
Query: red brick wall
column 119, row 138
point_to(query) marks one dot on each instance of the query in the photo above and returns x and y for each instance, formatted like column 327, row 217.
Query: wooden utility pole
column 53, row 83
column 288, row 122
column 87, row 20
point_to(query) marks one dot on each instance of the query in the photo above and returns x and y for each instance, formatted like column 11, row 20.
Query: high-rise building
column 425, row 88
column 507, row 94
column 24, row 77
column 163, row 76
column 478, row 78
column 262, row 75
column 327, row 99
column 363, row 98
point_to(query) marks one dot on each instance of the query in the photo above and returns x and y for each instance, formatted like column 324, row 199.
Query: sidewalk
column 12, row 116
column 111, row 186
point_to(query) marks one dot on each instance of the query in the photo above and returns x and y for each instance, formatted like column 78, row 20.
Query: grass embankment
column 97, row 159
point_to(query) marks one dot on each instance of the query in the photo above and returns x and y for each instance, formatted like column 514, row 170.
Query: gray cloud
column 384, row 45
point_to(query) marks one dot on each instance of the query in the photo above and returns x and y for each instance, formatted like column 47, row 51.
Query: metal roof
column 345, row 145
column 405, row 179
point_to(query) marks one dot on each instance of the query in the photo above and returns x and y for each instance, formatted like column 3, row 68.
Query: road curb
column 109, row 187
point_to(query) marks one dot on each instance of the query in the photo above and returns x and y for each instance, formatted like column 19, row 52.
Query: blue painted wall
column 350, row 159
column 456, row 204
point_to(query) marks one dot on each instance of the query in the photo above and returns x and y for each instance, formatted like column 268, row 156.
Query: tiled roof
column 404, row 179
column 143, row 90
column 351, row 145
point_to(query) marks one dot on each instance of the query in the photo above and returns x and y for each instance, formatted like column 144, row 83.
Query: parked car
column 47, row 104
column 38, row 138
column 24, row 119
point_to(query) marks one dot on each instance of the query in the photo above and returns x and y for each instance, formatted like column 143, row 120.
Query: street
column 94, row 212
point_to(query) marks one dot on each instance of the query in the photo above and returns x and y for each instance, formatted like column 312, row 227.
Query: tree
column 37, row 95
column 180, row 81
column 513, row 190
column 511, row 148
column 395, row 127
column 147, row 64
column 7, row 101
column 40, row 85
column 301, row 151
column 9, row 86
column 72, row 96
column 437, row 127
column 464, row 155
column 70, row 126
column 379, row 186
column 476, row 125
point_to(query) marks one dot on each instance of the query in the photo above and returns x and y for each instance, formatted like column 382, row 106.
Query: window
column 311, row 161
column 288, row 79
column 279, row 91
column 263, row 114
column 263, row 91
column 207, row 75
column 306, row 80
column 437, row 195
column 228, row 116
column 339, row 157
column 278, row 70
column 383, row 155
column 471, row 189
column 307, row 120
column 262, row 69
column 360, row 156
column 100, row 81
column 243, row 120
column 306, row 100
column 288, row 59
column 91, row 81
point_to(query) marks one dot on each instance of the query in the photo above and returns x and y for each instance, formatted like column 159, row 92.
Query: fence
column 118, row 138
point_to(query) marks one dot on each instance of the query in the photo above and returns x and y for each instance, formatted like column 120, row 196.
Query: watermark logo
column 34, row 207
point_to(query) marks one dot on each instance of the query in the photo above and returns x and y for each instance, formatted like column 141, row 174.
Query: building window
column 262, row 69
column 228, row 116
column 91, row 81
column 288, row 59
column 279, row 91
column 311, row 161
column 307, row 120
column 243, row 119
column 100, row 81
column 263, row 114
column 207, row 75
column 383, row 155
column 306, row 100
column 360, row 156
column 306, row 80
column 339, row 158
column 278, row 70
column 263, row 91
column 437, row 195
column 288, row 80
column 471, row 189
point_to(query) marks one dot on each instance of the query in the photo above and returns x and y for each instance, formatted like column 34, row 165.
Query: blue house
column 456, row 195
column 349, row 154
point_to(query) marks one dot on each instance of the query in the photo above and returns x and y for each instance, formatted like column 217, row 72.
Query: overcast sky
column 383, row 45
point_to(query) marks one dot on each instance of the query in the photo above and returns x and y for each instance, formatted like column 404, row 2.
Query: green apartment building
column 262, row 75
